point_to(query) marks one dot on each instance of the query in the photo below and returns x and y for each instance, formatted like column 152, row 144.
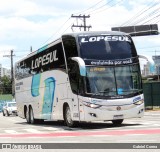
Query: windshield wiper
column 102, row 92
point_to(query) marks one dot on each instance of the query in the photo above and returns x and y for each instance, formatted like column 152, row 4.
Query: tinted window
column 49, row 59
column 70, row 47
column 112, row 81
column 106, row 47
column 74, row 75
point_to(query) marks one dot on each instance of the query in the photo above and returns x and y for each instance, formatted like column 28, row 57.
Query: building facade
column 156, row 60
column 4, row 71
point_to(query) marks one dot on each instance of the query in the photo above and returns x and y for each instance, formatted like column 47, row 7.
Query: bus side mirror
column 81, row 64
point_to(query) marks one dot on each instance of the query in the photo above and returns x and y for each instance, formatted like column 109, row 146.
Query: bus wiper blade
column 101, row 92
column 104, row 91
column 136, row 90
column 133, row 91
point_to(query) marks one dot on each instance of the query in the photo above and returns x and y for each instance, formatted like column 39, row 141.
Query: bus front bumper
column 113, row 113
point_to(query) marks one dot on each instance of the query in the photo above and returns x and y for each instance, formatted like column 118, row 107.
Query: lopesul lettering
column 45, row 59
column 105, row 38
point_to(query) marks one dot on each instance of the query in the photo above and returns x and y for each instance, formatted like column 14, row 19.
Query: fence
column 151, row 94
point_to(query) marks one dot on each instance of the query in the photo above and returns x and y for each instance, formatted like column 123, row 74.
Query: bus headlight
column 91, row 105
column 139, row 102
column 94, row 106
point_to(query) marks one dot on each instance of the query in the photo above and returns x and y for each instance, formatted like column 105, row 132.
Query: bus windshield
column 113, row 81
column 106, row 47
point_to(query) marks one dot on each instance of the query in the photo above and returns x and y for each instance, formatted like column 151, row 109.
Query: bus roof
column 90, row 33
column 39, row 50
column 76, row 34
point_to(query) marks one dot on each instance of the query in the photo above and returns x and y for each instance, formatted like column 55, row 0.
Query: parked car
column 9, row 108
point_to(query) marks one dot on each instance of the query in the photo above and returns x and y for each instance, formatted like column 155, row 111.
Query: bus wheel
column 32, row 116
column 32, row 119
column 117, row 122
column 67, row 117
column 28, row 119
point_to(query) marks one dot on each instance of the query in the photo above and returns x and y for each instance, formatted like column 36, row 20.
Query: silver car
column 9, row 108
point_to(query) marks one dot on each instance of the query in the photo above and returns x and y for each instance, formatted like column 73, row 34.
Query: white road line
column 136, row 126
column 146, row 123
column 156, row 125
column 32, row 130
column 14, row 120
column 11, row 131
column 51, row 128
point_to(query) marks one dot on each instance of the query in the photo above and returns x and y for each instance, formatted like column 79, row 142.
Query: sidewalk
column 152, row 112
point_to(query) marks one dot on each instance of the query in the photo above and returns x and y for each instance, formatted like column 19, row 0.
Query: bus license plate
column 118, row 117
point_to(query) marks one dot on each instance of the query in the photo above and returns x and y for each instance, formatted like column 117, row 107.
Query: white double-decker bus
column 81, row 77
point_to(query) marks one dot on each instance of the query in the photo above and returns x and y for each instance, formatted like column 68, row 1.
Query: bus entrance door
column 73, row 103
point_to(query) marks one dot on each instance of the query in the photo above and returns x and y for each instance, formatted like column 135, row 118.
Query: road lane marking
column 51, row 128
column 11, row 131
column 30, row 130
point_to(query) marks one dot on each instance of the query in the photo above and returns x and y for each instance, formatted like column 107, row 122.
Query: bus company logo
column 136, row 99
column 105, row 38
column 118, row 108
column 93, row 101
column 96, row 101
column 45, row 59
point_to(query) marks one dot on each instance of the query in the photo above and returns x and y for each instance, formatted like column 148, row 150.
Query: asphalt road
column 144, row 130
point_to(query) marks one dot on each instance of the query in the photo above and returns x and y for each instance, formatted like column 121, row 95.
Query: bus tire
column 67, row 117
column 33, row 120
column 27, row 114
column 117, row 122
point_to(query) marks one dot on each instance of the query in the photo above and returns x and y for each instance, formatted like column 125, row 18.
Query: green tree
column 5, row 85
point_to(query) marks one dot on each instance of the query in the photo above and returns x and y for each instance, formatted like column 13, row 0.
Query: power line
column 71, row 24
column 145, row 17
column 152, row 19
column 137, row 15
column 56, row 31
column 85, row 11
column 83, row 26
column 98, row 11
column 67, row 28
column 100, row 7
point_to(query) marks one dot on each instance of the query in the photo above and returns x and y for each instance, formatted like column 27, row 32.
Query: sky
column 34, row 23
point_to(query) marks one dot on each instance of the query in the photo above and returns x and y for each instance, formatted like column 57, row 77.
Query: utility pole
column 83, row 17
column 31, row 49
column 12, row 78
